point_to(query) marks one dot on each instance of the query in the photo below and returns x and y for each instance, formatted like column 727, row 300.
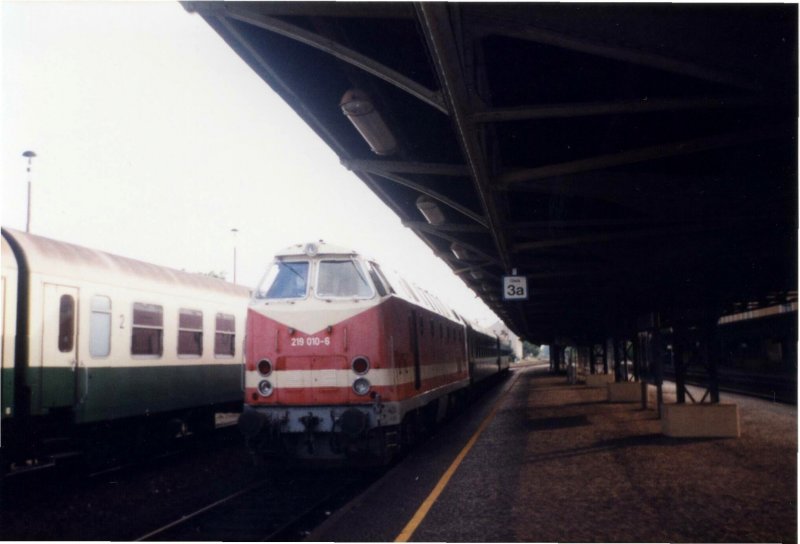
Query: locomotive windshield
column 285, row 280
column 342, row 279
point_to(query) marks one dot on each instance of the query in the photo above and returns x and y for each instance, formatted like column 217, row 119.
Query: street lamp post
column 29, row 155
column 234, row 231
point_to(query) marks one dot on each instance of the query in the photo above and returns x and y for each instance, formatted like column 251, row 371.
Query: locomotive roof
column 48, row 256
column 313, row 249
column 403, row 288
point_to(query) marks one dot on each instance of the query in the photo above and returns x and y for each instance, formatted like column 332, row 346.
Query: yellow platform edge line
column 422, row 511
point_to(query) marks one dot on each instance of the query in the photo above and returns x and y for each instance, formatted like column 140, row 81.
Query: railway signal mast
column 29, row 155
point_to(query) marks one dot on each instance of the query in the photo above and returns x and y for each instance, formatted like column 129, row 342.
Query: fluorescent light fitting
column 430, row 210
column 358, row 107
column 461, row 253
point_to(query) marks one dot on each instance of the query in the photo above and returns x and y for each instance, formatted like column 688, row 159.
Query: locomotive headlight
column 265, row 367
column 360, row 365
column 265, row 388
column 361, row 386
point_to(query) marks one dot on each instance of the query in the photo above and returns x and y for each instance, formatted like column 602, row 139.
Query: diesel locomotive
column 345, row 361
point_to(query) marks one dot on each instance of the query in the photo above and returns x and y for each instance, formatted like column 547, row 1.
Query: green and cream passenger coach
column 107, row 352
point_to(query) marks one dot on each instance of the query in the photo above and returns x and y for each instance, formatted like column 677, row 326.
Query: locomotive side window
column 147, row 336
column 285, row 279
column 190, row 332
column 225, row 337
column 66, row 323
column 380, row 281
column 342, row 279
column 377, row 282
column 100, row 326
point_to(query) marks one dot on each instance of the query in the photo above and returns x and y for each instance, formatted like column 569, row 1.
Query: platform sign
column 515, row 288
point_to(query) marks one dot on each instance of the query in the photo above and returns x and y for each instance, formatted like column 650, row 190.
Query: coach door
column 59, row 372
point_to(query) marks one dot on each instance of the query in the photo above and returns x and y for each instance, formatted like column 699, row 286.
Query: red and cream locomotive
column 342, row 362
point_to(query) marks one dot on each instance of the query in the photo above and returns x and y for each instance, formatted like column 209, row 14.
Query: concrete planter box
column 598, row 380
column 625, row 392
column 700, row 420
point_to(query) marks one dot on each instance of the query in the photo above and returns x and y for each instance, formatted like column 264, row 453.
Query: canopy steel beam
column 401, row 167
column 513, row 29
column 249, row 16
column 650, row 153
column 371, row 167
column 447, row 227
column 555, row 111
column 434, row 18
column 430, row 229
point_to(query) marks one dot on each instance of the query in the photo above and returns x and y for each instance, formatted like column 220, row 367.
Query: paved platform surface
column 557, row 463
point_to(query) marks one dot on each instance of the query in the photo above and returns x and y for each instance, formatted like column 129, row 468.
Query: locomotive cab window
column 285, row 280
column 342, row 279
column 225, row 336
column 147, row 336
column 100, row 326
column 190, row 332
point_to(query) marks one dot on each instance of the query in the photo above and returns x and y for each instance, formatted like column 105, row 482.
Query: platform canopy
column 625, row 158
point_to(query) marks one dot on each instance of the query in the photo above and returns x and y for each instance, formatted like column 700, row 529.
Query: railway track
column 772, row 387
column 77, row 462
column 282, row 507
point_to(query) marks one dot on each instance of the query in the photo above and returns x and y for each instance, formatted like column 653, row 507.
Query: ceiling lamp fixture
column 430, row 210
column 357, row 106
column 461, row 253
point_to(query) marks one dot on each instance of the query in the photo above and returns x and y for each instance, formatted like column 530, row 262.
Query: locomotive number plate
column 311, row 341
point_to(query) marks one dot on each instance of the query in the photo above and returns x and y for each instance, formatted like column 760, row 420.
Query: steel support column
column 658, row 353
column 710, row 356
column 679, row 361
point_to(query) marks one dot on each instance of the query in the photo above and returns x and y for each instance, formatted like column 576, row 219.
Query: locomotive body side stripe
column 307, row 394
column 390, row 412
column 344, row 378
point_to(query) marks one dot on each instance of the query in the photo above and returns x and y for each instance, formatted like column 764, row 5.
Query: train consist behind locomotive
column 102, row 351
column 343, row 362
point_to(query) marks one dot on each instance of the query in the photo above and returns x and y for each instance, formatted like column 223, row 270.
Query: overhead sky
column 154, row 140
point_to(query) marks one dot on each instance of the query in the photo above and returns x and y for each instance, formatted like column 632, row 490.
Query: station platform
column 554, row 462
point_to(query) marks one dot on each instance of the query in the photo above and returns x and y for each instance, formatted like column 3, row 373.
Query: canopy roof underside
column 627, row 158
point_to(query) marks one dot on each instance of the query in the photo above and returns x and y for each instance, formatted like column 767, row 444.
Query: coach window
column 100, row 326
column 342, row 279
column 285, row 279
column 190, row 332
column 225, row 337
column 147, row 337
column 66, row 323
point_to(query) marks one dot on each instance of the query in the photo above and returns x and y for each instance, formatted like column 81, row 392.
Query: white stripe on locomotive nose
column 311, row 316
column 345, row 377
